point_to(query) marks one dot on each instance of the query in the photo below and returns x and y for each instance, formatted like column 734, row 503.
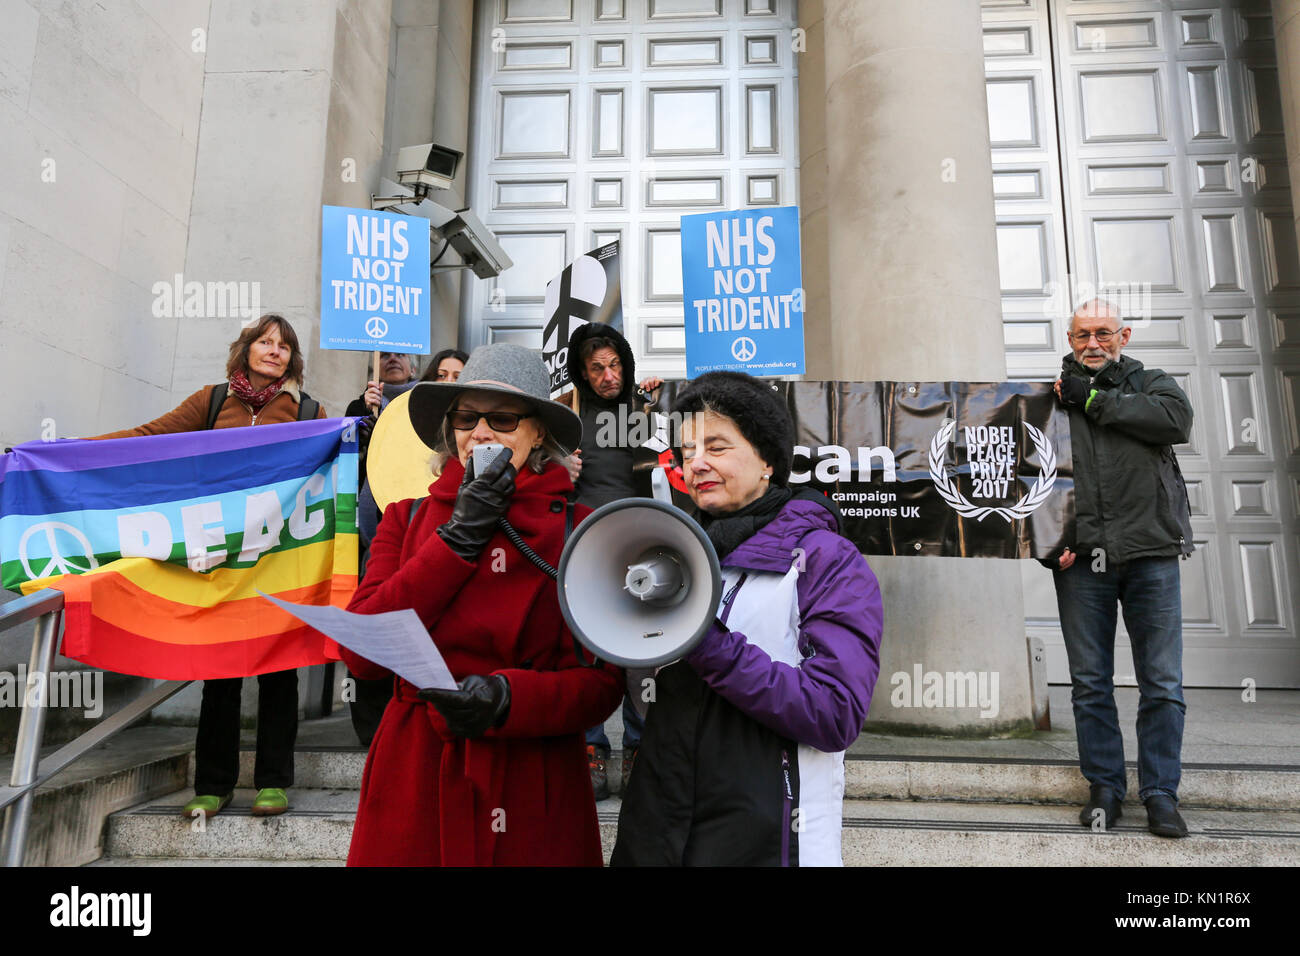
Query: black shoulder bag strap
column 217, row 399
column 307, row 408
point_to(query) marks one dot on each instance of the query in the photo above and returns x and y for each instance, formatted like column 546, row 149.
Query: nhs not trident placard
column 374, row 269
column 742, row 290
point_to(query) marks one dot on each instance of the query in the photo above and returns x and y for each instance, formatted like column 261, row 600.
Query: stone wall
column 152, row 138
column 101, row 112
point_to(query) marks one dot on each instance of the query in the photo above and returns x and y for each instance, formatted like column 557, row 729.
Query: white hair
column 1098, row 306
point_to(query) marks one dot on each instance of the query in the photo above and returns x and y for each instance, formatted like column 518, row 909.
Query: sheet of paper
column 395, row 639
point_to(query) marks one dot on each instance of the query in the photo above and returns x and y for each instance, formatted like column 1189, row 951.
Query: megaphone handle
column 568, row 530
column 577, row 652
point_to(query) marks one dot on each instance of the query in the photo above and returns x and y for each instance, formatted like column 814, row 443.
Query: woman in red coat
column 495, row 772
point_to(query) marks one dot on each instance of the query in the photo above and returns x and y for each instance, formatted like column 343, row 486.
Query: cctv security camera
column 427, row 166
column 462, row 230
column 476, row 245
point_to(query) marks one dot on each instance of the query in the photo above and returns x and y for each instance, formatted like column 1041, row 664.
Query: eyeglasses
column 463, row 420
column 1103, row 336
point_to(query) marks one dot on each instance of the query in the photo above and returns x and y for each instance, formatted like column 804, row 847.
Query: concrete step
column 910, row 833
column 68, row 814
column 1036, row 780
column 318, row 826
column 876, row 833
column 894, row 777
column 145, row 861
column 324, row 768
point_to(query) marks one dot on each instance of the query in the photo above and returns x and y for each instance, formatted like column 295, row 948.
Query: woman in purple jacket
column 742, row 758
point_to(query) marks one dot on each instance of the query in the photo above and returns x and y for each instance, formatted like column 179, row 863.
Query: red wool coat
column 520, row 794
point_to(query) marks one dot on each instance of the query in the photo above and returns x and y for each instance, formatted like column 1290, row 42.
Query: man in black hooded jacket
column 609, row 467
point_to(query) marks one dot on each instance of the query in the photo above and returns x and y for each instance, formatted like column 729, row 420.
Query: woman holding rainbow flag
column 264, row 387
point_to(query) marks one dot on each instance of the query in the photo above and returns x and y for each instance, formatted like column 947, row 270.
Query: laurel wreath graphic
column 947, row 488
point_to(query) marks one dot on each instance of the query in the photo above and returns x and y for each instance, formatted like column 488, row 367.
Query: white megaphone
column 639, row 583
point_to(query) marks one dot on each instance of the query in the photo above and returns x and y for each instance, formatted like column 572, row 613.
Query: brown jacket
column 191, row 415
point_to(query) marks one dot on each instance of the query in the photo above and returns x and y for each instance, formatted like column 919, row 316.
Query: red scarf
column 243, row 389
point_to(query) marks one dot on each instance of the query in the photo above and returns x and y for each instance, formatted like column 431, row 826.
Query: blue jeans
column 632, row 727
column 1148, row 589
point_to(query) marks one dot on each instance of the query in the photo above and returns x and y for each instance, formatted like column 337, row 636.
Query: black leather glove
column 480, row 502
column 1074, row 392
column 480, row 704
column 365, row 429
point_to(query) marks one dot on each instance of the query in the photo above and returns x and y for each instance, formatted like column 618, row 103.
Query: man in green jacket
column 1132, row 526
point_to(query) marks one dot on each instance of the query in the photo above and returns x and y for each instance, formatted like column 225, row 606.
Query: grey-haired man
column 1132, row 526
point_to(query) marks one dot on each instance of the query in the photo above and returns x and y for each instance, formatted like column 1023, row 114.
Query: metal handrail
column 45, row 607
column 30, row 607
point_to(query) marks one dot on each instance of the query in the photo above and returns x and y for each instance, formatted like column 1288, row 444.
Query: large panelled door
column 1141, row 143
column 597, row 120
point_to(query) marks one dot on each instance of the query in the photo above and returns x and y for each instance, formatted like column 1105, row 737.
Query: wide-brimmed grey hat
column 507, row 369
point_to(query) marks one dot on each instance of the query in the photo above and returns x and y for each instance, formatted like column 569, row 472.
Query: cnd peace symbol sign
column 376, row 327
column 743, row 349
column 60, row 561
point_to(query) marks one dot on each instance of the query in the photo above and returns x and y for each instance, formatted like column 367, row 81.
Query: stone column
column 819, row 346
column 352, row 165
column 1286, row 27
column 291, row 90
column 451, row 128
column 428, row 101
column 914, row 296
column 412, row 77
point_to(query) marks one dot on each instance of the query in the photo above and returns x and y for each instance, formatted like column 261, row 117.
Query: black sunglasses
column 463, row 420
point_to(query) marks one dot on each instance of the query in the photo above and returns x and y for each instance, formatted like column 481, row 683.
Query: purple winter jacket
column 721, row 776
column 822, row 703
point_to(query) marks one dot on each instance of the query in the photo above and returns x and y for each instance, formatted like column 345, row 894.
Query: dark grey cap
column 508, row 369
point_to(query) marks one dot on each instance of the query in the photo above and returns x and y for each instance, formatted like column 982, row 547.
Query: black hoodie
column 607, row 472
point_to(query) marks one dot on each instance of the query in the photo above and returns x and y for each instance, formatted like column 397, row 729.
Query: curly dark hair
column 758, row 412
column 238, row 360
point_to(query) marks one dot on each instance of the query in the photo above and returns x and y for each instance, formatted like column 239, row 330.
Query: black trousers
column 372, row 697
column 216, row 752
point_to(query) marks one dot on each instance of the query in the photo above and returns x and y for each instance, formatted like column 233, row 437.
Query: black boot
column 1163, row 818
column 1101, row 797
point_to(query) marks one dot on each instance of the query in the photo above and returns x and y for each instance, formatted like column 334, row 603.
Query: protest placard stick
column 374, row 409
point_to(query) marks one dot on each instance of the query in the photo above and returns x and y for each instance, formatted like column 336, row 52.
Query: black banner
column 949, row 469
column 588, row 290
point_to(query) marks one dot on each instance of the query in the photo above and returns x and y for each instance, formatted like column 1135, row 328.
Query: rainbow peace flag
column 160, row 544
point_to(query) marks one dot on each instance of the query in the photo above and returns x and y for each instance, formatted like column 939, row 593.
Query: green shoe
column 208, row 804
column 269, row 802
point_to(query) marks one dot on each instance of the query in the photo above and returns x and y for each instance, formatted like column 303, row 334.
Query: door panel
column 604, row 119
column 1168, row 149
